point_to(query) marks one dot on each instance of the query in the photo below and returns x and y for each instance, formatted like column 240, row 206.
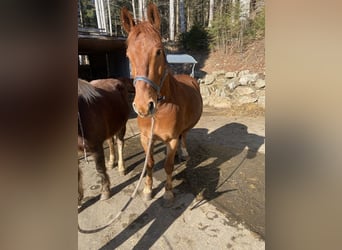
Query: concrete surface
column 220, row 192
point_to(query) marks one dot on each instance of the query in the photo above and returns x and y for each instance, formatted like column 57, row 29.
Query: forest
column 195, row 25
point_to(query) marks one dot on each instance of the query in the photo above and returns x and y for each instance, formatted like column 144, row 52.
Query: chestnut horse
column 174, row 102
column 103, row 111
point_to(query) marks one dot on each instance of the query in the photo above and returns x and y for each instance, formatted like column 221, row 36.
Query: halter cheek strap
column 155, row 86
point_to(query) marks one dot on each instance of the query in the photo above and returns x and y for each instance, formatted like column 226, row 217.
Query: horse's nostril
column 151, row 107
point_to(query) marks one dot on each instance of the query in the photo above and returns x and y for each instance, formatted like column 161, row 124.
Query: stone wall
column 232, row 89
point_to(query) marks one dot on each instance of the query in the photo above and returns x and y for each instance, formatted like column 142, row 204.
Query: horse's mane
column 147, row 28
column 87, row 91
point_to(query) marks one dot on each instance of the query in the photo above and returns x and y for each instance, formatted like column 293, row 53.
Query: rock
column 206, row 101
column 209, row 79
column 244, row 90
column 230, row 75
column 247, row 99
column 220, row 81
column 248, row 78
column 223, row 104
column 219, row 72
column 200, row 81
column 218, row 102
column 243, row 72
column 226, row 90
column 222, row 92
column 260, row 83
column 204, row 90
column 253, row 77
column 261, row 101
column 233, row 85
column 260, row 92
column 243, row 80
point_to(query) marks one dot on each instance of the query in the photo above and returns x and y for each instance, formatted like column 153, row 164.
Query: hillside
column 253, row 59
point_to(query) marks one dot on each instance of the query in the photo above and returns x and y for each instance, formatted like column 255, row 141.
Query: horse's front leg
column 147, row 191
column 111, row 161
column 120, row 141
column 168, row 166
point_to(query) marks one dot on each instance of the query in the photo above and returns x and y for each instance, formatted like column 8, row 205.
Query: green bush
column 197, row 39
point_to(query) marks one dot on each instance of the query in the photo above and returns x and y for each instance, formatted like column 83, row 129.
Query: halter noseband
column 155, row 86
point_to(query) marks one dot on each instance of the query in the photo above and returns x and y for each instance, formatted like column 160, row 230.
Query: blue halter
column 155, row 86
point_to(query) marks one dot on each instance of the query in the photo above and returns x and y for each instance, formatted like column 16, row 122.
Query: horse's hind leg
column 184, row 152
column 80, row 187
column 101, row 169
column 111, row 161
column 120, row 141
column 147, row 192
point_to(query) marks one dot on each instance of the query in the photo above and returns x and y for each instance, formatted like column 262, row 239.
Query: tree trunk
column 177, row 18
column 244, row 9
column 188, row 23
column 181, row 16
column 172, row 20
column 100, row 16
column 144, row 9
column 140, row 6
column 211, row 13
column 134, row 13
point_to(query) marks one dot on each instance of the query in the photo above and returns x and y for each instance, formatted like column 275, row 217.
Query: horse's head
column 147, row 57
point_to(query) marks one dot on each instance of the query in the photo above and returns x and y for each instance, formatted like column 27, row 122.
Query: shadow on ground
column 160, row 217
column 224, row 169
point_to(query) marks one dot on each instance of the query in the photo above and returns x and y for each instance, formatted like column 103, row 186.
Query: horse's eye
column 159, row 51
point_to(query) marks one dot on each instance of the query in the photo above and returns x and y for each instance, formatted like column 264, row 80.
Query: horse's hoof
column 110, row 165
column 122, row 172
column 147, row 196
column 105, row 196
column 168, row 195
column 80, row 198
column 185, row 158
column 167, row 203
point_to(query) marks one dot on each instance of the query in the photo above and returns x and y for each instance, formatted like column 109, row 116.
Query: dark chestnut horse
column 174, row 102
column 103, row 111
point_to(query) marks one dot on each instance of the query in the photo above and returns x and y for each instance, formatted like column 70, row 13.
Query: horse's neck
column 169, row 86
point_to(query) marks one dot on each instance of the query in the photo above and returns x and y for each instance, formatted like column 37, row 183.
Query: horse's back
column 188, row 80
column 115, row 95
column 109, row 85
column 86, row 91
column 106, row 114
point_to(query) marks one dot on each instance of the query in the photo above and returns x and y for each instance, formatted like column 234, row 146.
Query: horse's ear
column 153, row 15
column 126, row 19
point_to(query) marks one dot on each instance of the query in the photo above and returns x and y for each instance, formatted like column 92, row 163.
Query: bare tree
column 211, row 13
column 134, row 13
column 172, row 20
column 244, row 9
column 141, row 9
column 182, row 16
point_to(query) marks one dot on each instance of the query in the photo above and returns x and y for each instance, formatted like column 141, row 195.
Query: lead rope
column 88, row 231
column 83, row 143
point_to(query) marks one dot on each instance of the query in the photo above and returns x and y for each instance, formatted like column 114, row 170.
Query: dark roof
column 88, row 43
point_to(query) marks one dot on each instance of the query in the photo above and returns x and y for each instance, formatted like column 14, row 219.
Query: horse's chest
column 165, row 127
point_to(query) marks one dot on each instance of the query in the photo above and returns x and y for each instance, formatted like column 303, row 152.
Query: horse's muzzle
column 150, row 110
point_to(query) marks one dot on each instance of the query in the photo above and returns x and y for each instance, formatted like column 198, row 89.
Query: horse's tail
column 87, row 91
